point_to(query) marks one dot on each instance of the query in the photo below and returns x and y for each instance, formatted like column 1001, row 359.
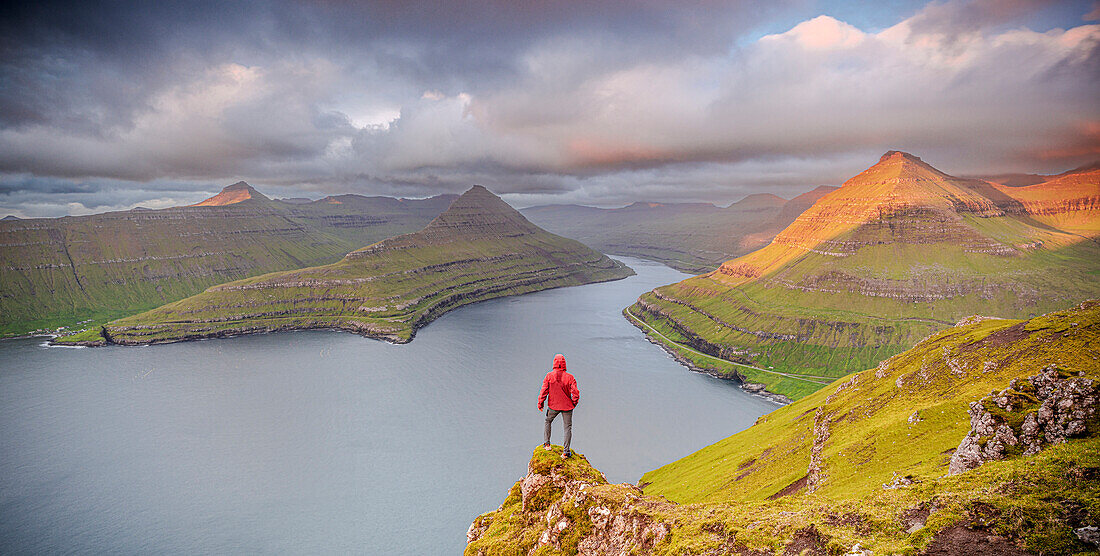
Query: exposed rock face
column 1047, row 408
column 569, row 506
column 815, row 473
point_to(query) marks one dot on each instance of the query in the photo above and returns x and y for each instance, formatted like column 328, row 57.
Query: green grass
column 61, row 271
column 479, row 249
column 871, row 437
column 815, row 316
column 1033, row 502
column 716, row 501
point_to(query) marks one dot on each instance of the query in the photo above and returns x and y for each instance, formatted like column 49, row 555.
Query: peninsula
column 479, row 248
column 62, row 271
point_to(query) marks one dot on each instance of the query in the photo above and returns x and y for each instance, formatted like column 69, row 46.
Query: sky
column 113, row 105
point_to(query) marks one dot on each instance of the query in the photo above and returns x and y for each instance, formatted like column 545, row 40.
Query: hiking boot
column 566, row 455
column 546, row 447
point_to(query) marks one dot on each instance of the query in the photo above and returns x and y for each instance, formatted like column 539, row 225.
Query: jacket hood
column 559, row 362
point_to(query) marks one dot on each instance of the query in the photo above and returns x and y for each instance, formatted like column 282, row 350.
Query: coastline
column 439, row 309
column 753, row 388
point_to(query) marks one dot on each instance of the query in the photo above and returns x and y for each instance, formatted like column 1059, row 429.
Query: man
column 559, row 390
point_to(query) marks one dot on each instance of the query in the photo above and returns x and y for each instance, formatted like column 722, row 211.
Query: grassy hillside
column 59, row 271
column 897, row 253
column 692, row 237
column 863, row 462
column 477, row 249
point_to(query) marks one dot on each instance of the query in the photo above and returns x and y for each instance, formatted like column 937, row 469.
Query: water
column 326, row 442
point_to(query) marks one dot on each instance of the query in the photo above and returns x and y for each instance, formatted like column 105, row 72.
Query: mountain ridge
column 60, row 271
column 897, row 252
column 479, row 248
column 691, row 237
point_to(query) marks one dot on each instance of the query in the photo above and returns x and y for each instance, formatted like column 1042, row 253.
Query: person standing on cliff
column 559, row 391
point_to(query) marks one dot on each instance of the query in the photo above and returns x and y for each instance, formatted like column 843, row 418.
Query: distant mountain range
column 692, row 237
column 479, row 248
column 58, row 271
column 898, row 252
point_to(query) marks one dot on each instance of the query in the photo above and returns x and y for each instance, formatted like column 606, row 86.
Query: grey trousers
column 567, row 417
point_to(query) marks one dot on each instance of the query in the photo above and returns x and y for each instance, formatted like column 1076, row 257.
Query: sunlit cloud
column 600, row 104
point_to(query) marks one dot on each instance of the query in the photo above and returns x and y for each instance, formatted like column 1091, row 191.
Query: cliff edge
column 982, row 439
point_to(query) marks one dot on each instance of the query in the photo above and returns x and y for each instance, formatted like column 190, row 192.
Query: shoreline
column 427, row 318
column 752, row 388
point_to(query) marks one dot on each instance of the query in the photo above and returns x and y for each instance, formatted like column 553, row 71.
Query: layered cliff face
column 477, row 249
column 1069, row 201
column 898, row 252
column 57, row 271
column 693, row 237
column 860, row 467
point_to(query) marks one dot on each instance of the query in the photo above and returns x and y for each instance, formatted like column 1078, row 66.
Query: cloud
column 601, row 102
column 822, row 87
column 822, row 33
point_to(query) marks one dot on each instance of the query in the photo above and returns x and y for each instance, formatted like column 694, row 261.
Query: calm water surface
column 326, row 442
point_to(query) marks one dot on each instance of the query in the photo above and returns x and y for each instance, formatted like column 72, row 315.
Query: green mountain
column 58, row 271
column 477, row 249
column 913, row 456
column 692, row 237
column 897, row 253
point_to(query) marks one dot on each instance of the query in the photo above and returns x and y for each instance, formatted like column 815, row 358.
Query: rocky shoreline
column 754, row 388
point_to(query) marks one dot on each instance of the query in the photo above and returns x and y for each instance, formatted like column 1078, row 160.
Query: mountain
column 913, row 456
column 233, row 194
column 58, row 271
column 692, row 237
column 898, row 252
column 1069, row 201
column 479, row 248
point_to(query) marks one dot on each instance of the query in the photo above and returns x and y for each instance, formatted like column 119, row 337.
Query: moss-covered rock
column 568, row 507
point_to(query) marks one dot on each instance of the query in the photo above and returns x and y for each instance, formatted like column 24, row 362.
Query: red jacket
column 560, row 387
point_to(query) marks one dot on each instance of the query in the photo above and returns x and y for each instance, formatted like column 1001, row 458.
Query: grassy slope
column 1031, row 502
column 480, row 248
column 56, row 272
column 716, row 500
column 871, row 437
column 689, row 237
column 829, row 301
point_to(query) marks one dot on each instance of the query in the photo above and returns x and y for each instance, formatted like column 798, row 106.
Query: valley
column 691, row 237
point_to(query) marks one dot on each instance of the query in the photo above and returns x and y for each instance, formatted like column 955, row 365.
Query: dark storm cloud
column 62, row 58
column 107, row 105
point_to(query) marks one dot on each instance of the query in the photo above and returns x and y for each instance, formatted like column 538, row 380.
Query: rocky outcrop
column 1063, row 206
column 568, row 506
column 815, row 473
column 1047, row 408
